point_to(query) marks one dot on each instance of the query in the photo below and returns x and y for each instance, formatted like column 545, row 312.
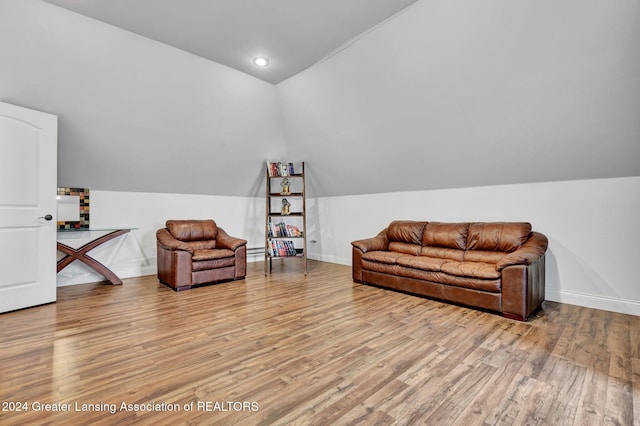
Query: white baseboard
column 612, row 304
column 329, row 259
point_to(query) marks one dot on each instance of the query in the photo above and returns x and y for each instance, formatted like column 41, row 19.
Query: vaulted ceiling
column 293, row 34
column 440, row 94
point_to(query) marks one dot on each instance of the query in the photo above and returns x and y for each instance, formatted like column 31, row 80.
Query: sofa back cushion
column 498, row 236
column 192, row 230
column 443, row 253
column 407, row 248
column 484, row 256
column 405, row 231
column 447, row 235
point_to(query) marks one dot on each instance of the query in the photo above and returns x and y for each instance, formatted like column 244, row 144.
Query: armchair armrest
column 166, row 241
column 533, row 249
column 224, row 240
column 379, row 242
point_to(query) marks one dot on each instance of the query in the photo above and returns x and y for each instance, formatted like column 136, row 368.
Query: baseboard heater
column 255, row 251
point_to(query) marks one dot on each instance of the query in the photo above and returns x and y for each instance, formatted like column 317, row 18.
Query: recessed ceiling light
column 261, row 61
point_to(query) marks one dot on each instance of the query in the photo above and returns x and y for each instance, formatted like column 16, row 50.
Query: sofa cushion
column 424, row 263
column 388, row 257
column 492, row 285
column 443, row 253
column 485, row 256
column 192, row 230
column 448, row 235
column 498, row 236
column 471, row 269
column 383, row 268
column 407, row 248
column 405, row 231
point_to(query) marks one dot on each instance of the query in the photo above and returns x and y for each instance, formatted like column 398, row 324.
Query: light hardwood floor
column 316, row 350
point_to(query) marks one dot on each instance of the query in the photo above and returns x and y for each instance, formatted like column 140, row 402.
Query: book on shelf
column 282, row 248
column 283, row 230
column 293, row 231
column 291, row 250
column 277, row 169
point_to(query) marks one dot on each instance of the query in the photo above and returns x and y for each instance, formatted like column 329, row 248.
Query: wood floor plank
column 635, row 386
column 619, row 406
column 594, row 392
column 513, row 404
column 290, row 349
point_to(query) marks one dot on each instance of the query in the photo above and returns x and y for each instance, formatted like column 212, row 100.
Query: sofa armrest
column 224, row 240
column 532, row 250
column 523, row 289
column 379, row 242
column 166, row 241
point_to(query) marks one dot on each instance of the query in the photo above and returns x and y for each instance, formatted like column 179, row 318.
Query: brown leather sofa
column 194, row 252
column 496, row 266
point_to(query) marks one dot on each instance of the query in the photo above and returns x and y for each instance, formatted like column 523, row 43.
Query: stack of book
column 280, row 169
column 283, row 230
column 282, row 248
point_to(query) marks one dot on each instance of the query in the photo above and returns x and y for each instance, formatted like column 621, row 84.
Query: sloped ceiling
column 460, row 94
column 294, row 34
column 447, row 94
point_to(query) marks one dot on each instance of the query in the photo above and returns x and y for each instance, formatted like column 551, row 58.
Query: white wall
column 460, row 93
column 592, row 226
column 135, row 114
column 134, row 254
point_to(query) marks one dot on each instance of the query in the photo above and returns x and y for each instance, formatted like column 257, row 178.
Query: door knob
column 46, row 217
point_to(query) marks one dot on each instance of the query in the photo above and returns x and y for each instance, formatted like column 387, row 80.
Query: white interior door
column 28, row 175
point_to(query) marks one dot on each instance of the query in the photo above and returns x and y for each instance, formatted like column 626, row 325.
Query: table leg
column 81, row 255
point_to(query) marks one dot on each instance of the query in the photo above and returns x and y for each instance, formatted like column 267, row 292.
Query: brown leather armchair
column 194, row 252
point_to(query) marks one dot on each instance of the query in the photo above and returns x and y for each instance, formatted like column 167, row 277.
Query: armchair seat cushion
column 203, row 265
column 211, row 254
